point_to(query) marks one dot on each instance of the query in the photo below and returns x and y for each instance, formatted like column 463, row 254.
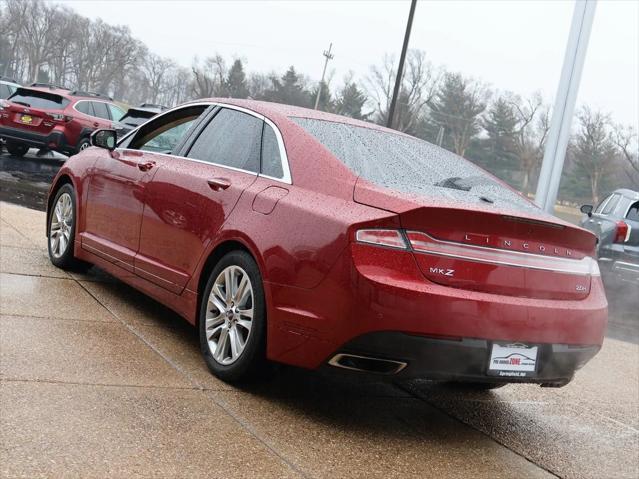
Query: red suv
column 54, row 118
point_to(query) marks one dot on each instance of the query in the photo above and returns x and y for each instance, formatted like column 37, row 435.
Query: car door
column 193, row 193
column 117, row 187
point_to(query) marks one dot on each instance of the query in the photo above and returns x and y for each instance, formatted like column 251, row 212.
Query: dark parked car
column 321, row 241
column 134, row 117
column 615, row 221
column 54, row 118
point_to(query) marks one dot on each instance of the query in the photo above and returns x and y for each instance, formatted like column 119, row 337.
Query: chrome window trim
column 280, row 140
column 286, row 172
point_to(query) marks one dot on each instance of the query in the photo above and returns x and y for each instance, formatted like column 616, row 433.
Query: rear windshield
column 39, row 99
column 136, row 118
column 409, row 165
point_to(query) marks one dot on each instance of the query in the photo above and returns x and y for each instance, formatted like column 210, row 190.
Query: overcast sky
column 512, row 45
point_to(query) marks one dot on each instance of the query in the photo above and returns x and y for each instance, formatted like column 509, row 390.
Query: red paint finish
column 155, row 229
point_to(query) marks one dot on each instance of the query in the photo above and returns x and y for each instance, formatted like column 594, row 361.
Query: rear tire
column 83, row 144
column 61, row 230
column 17, row 149
column 232, row 321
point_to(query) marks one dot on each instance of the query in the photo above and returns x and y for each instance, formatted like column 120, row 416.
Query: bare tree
column 625, row 138
column 156, row 69
column 530, row 135
column 418, row 87
column 208, row 76
column 593, row 150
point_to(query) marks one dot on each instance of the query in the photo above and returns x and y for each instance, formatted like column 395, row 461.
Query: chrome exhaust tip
column 366, row 364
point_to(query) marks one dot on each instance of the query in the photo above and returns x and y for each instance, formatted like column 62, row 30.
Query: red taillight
column 622, row 232
column 382, row 237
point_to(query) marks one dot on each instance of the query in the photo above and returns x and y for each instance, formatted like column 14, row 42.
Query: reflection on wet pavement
column 25, row 181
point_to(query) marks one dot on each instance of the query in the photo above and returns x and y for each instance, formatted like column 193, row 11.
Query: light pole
column 562, row 114
column 400, row 68
column 329, row 56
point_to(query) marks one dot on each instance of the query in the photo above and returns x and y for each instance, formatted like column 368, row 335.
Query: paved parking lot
column 97, row 380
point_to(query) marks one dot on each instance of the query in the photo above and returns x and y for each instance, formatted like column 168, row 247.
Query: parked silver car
column 615, row 221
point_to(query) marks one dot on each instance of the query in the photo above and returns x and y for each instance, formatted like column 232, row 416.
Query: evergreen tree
column 235, row 85
column 326, row 101
column 456, row 107
column 289, row 89
column 500, row 147
column 350, row 101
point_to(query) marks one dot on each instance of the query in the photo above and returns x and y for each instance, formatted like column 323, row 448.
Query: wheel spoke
column 55, row 245
column 236, row 348
column 221, row 344
column 62, row 244
column 217, row 303
column 246, row 324
column 229, row 278
column 246, row 313
column 214, row 322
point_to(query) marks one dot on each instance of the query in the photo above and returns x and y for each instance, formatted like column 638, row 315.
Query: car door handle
column 217, row 184
column 146, row 166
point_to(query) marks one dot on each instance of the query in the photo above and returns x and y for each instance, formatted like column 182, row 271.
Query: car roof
column 7, row 82
column 270, row 109
column 633, row 195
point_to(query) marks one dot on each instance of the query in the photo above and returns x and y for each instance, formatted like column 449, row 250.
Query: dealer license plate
column 513, row 360
column 26, row 119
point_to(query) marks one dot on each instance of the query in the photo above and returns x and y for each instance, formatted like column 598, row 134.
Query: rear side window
column 231, row 138
column 611, row 205
column 39, row 99
column 408, row 165
column 271, row 158
column 116, row 112
column 633, row 212
column 5, row 91
column 101, row 110
column 85, row 107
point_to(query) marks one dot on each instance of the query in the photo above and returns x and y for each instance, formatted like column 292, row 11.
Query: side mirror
column 106, row 139
column 586, row 209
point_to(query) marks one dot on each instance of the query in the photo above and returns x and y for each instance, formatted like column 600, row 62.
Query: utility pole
column 400, row 68
column 329, row 56
column 562, row 113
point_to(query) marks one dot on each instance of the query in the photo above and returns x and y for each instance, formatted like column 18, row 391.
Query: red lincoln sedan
column 305, row 238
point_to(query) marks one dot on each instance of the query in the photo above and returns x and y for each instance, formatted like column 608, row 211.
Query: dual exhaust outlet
column 366, row 364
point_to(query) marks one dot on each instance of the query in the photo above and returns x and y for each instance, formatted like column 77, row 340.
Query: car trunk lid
column 494, row 250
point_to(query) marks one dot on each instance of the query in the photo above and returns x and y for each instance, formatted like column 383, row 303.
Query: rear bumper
column 54, row 140
column 386, row 292
column 464, row 360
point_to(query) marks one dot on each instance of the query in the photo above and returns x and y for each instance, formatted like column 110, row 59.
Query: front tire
column 232, row 319
column 17, row 149
column 61, row 229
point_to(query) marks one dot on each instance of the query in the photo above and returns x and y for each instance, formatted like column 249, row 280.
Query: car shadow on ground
column 364, row 406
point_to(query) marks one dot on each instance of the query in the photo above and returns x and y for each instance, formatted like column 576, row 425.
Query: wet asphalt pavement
column 98, row 380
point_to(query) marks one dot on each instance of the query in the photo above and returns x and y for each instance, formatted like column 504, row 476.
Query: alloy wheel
column 229, row 315
column 61, row 224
